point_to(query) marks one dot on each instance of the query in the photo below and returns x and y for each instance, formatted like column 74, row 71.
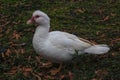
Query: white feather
column 97, row 49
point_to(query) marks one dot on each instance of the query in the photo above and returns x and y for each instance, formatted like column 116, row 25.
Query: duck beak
column 31, row 21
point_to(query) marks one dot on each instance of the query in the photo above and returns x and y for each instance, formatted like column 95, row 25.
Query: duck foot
column 55, row 71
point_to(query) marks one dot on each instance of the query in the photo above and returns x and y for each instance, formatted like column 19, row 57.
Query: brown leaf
column 102, row 36
column 38, row 59
column 98, row 32
column 3, row 55
column 15, row 23
column 114, row 41
column 8, row 52
column 106, row 18
column 101, row 11
column 62, row 77
column 40, row 74
column 29, row 58
column 26, row 74
column 36, row 75
column 81, row 10
column 22, row 51
column 47, row 65
column 27, row 69
column 70, row 74
column 94, row 79
column 1, row 29
column 16, row 35
column 49, row 77
column 5, row 23
column 114, row 54
column 17, row 51
column 113, row 14
column 13, row 70
column 8, row 30
column 100, row 74
column 1, row 35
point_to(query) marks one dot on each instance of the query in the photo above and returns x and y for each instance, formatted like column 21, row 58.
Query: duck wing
column 65, row 40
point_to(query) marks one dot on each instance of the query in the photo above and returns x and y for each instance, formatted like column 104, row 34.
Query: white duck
column 59, row 46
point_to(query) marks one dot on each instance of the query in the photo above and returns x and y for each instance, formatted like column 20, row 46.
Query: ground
column 95, row 20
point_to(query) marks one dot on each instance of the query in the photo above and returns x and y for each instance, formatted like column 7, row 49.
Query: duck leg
column 55, row 71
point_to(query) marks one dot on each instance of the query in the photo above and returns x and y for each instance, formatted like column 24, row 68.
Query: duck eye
column 37, row 16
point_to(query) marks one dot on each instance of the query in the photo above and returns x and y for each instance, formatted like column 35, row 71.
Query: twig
column 38, row 77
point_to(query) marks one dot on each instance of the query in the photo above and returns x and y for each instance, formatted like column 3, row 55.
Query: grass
column 95, row 20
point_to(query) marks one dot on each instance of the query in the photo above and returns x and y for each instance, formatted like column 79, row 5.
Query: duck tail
column 97, row 49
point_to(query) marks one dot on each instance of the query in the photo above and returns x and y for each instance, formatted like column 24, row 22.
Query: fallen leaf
column 38, row 59
column 98, row 32
column 106, row 18
column 1, row 29
column 94, row 79
column 102, row 36
column 37, row 76
column 70, row 74
column 62, row 77
column 5, row 24
column 114, row 54
column 16, row 35
column 47, row 65
column 13, row 71
column 3, row 55
column 17, row 51
column 40, row 74
column 81, row 10
column 49, row 77
column 100, row 74
column 113, row 14
column 101, row 11
column 16, row 22
column 8, row 31
column 26, row 74
column 29, row 58
column 27, row 69
column 8, row 52
column 22, row 51
column 1, row 35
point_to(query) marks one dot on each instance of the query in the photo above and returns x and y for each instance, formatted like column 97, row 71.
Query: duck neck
column 41, row 32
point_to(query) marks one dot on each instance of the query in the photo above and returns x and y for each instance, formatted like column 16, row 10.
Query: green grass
column 95, row 20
